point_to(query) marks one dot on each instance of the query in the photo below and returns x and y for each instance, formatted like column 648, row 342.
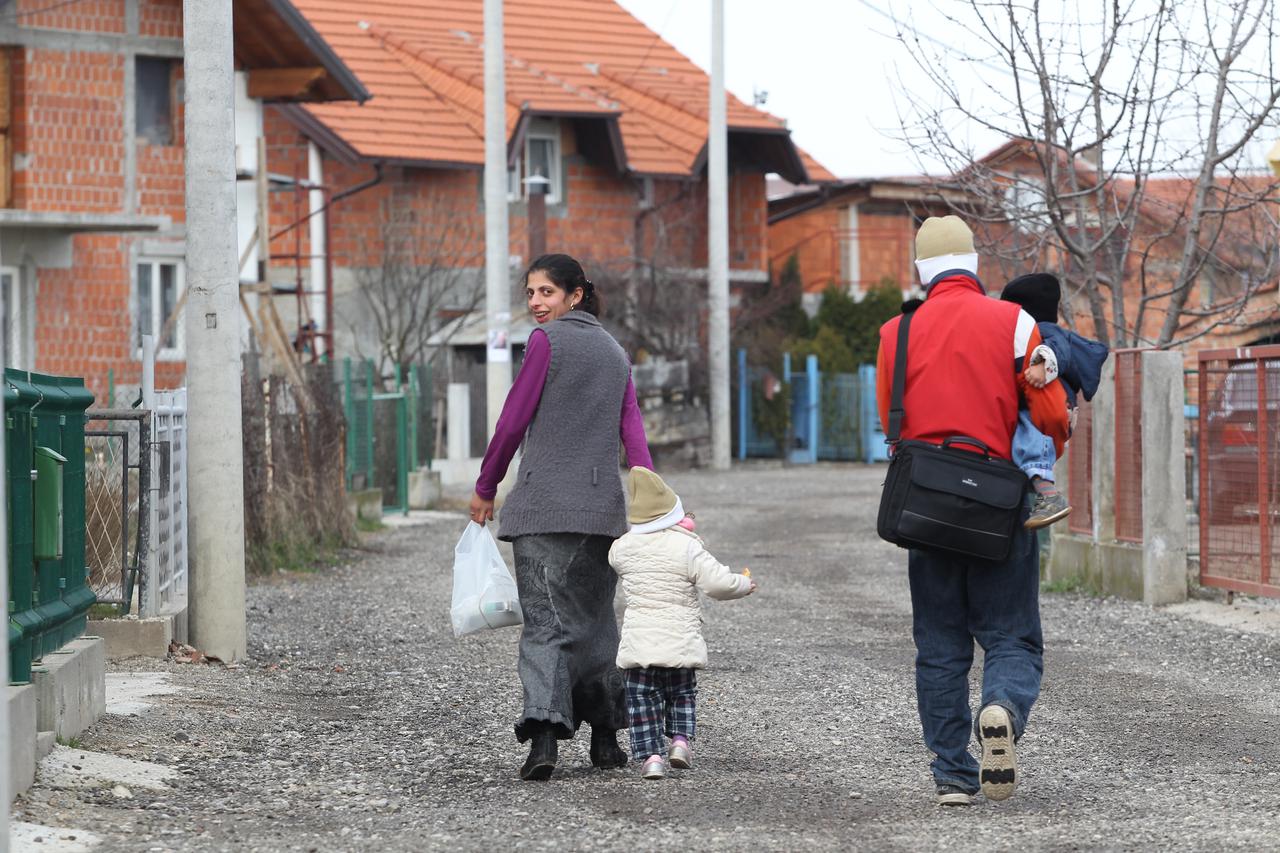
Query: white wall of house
column 248, row 118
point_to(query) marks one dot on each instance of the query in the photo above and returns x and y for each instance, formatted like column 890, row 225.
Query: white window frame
column 177, row 352
column 15, row 310
column 547, row 130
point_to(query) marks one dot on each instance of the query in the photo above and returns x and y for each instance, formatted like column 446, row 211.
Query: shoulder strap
column 899, row 379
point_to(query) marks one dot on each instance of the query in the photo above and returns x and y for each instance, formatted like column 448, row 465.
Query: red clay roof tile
column 423, row 61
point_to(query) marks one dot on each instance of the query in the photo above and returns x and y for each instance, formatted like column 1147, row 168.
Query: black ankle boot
column 542, row 756
column 605, row 752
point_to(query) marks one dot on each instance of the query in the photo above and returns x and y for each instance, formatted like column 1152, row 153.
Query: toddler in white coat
column 662, row 564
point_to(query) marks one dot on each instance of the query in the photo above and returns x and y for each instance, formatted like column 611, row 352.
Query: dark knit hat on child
column 1038, row 293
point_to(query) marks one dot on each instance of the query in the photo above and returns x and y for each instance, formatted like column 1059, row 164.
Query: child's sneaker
column 654, row 768
column 681, row 753
column 1048, row 506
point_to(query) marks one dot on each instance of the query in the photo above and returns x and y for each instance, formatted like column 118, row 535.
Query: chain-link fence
column 1239, row 459
column 117, row 502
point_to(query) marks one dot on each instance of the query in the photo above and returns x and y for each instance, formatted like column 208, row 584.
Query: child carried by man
column 1066, row 356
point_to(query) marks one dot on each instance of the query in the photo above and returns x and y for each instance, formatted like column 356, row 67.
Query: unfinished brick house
column 611, row 116
column 854, row 234
column 91, row 230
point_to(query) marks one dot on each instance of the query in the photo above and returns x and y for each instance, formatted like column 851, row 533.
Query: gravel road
column 361, row 724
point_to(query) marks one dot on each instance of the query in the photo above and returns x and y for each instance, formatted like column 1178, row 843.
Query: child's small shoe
column 681, row 753
column 654, row 768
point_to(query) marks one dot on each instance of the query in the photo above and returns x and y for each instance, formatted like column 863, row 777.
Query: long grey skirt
column 569, row 645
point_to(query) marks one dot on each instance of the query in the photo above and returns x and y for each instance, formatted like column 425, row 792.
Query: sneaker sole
column 1037, row 523
column 681, row 762
column 999, row 767
column 655, row 774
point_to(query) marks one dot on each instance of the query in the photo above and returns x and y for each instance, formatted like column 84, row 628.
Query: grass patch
column 105, row 611
column 71, row 742
column 369, row 525
column 296, row 554
column 1077, row 585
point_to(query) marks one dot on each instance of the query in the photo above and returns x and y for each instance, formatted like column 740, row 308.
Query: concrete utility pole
column 718, row 246
column 215, row 450
column 497, row 252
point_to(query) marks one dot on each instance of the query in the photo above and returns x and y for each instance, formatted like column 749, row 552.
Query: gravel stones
column 360, row 723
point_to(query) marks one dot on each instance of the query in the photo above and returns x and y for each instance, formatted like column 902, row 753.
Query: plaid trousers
column 659, row 700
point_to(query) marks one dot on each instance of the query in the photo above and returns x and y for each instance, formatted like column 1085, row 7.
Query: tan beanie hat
column 943, row 235
column 650, row 499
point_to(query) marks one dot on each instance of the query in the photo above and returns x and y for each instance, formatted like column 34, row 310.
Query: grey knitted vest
column 568, row 480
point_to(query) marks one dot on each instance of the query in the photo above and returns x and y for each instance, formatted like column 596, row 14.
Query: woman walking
column 572, row 404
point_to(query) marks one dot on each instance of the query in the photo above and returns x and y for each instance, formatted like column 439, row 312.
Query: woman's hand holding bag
column 484, row 594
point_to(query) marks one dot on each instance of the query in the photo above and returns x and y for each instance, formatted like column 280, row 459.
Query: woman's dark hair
column 566, row 274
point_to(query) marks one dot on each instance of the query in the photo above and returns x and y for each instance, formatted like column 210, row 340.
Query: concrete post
column 215, row 446
column 1104, row 455
column 459, row 415
column 718, row 246
column 497, row 251
column 1164, row 480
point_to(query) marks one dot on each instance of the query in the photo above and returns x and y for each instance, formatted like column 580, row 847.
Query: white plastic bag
column 484, row 594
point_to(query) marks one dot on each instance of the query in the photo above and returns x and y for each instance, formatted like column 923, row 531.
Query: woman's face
column 548, row 301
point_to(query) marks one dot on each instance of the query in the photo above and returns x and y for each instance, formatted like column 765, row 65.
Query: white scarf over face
column 931, row 267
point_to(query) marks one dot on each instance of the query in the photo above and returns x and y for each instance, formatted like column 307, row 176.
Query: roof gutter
column 317, row 45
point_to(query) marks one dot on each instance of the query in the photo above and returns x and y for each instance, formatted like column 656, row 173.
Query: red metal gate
column 1240, row 469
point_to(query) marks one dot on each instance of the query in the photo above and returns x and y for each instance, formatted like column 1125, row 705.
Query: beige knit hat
column 650, row 500
column 943, row 235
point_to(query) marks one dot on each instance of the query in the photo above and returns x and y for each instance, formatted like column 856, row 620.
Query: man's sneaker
column 654, row 768
column 953, row 795
column 681, row 754
column 999, row 768
column 1047, row 508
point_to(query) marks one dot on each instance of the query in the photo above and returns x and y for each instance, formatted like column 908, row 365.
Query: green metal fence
column 45, row 463
column 390, row 431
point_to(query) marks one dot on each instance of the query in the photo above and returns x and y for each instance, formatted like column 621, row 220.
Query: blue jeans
column 1033, row 451
column 955, row 601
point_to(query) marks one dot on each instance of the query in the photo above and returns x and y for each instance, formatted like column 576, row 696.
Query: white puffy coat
column 661, row 574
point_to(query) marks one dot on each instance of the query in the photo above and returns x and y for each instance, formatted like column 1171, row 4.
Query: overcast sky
column 835, row 71
column 826, row 64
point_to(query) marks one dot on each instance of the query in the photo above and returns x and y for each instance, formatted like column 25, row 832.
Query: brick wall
column 68, row 114
column 97, row 16
column 69, row 143
column 596, row 222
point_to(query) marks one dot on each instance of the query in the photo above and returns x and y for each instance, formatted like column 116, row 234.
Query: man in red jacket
column 964, row 377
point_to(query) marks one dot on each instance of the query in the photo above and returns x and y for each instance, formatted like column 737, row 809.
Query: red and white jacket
column 965, row 355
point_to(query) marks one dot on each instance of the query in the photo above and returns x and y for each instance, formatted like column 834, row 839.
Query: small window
column 541, row 157
column 159, row 292
column 154, row 100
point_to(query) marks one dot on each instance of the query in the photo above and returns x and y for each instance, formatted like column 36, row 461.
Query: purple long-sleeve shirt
column 522, row 402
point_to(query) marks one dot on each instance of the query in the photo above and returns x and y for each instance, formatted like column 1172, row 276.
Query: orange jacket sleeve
column 1048, row 405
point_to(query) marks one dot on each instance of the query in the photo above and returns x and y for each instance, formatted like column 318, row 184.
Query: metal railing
column 165, row 587
column 390, row 432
